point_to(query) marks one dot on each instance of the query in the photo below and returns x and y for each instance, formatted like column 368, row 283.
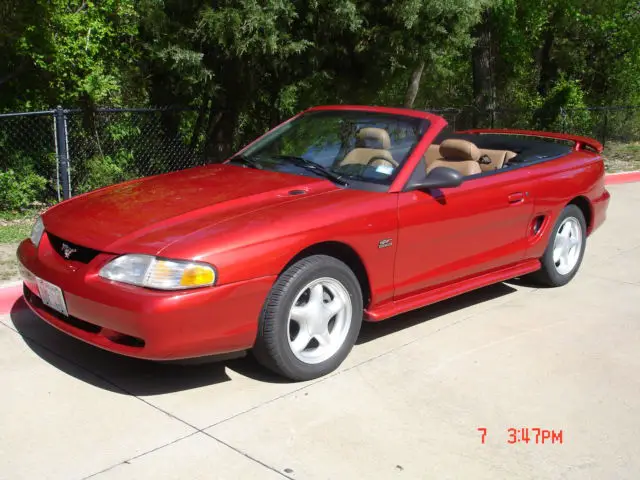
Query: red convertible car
column 339, row 215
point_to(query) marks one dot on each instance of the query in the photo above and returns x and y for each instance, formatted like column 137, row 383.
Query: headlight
column 160, row 273
column 37, row 231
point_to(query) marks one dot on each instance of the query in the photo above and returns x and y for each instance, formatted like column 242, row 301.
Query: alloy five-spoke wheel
column 311, row 318
column 567, row 245
column 564, row 252
column 319, row 320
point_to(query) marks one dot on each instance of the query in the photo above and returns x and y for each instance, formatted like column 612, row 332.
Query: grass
column 9, row 215
column 8, row 268
column 14, row 233
column 14, row 227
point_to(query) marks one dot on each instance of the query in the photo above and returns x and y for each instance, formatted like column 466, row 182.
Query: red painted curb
column 9, row 295
column 622, row 177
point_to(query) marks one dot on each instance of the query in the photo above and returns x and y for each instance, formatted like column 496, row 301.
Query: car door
column 453, row 233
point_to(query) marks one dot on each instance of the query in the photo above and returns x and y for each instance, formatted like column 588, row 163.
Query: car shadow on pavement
column 372, row 331
column 122, row 374
column 130, row 376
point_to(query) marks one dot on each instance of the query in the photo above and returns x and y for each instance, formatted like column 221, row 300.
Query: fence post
column 606, row 127
column 563, row 114
column 62, row 153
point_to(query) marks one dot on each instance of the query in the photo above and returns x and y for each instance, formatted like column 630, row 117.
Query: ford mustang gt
column 340, row 215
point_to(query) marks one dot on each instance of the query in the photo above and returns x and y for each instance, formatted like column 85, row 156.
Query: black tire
column 272, row 347
column 548, row 275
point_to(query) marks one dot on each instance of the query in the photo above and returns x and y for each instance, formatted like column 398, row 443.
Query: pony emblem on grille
column 67, row 251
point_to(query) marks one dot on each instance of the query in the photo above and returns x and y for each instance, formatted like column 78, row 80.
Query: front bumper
column 138, row 322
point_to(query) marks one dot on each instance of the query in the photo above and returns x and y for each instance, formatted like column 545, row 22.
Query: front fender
column 262, row 245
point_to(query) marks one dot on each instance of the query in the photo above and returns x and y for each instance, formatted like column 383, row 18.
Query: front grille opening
column 123, row 339
column 80, row 324
column 72, row 251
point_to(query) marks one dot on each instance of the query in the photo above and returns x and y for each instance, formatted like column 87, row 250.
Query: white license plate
column 52, row 296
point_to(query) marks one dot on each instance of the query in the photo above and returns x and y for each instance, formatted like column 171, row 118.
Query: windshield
column 342, row 146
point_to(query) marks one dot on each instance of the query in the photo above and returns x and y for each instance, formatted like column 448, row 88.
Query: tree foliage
column 247, row 64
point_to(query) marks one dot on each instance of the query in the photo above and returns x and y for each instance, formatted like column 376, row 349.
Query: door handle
column 517, row 197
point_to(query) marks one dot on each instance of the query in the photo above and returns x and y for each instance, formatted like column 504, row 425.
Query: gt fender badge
column 387, row 242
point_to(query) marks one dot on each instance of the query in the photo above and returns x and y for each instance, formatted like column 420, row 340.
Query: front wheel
column 311, row 319
column 563, row 256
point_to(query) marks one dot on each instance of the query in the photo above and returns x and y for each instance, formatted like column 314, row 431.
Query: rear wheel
column 311, row 319
column 563, row 256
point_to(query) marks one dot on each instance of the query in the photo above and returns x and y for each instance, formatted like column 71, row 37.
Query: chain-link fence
column 114, row 145
column 50, row 155
column 28, row 166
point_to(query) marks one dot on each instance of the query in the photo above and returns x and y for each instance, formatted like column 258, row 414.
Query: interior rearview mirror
column 439, row 177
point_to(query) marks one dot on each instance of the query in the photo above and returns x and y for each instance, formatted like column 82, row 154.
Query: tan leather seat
column 432, row 154
column 498, row 158
column 460, row 155
column 370, row 143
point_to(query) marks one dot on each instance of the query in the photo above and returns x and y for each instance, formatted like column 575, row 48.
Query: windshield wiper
column 313, row 167
column 246, row 161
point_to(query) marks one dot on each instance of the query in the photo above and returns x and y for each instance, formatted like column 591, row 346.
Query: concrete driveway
column 407, row 403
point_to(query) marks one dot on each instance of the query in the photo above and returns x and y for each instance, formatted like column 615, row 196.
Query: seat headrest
column 373, row 138
column 459, row 150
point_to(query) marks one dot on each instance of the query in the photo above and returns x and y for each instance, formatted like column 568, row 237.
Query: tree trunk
column 484, row 90
column 414, row 86
column 197, row 128
column 220, row 135
column 548, row 68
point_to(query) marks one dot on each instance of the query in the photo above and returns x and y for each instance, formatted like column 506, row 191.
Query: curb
column 622, row 177
column 9, row 295
column 12, row 292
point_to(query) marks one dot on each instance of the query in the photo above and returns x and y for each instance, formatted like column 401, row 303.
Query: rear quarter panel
column 556, row 183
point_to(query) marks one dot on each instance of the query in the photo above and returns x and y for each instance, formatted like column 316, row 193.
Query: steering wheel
column 385, row 159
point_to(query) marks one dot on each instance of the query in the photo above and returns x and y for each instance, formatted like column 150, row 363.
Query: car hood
column 147, row 215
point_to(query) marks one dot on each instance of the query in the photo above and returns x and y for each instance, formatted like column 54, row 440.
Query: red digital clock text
column 534, row 435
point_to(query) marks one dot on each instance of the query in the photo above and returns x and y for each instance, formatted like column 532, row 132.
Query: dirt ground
column 8, row 263
column 622, row 157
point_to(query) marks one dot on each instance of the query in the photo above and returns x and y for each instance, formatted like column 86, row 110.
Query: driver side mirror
column 439, row 177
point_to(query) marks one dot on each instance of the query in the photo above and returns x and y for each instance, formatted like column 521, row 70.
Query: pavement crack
column 363, row 362
column 102, row 378
column 10, row 327
column 246, row 455
column 221, row 442
column 129, row 460
column 195, row 431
